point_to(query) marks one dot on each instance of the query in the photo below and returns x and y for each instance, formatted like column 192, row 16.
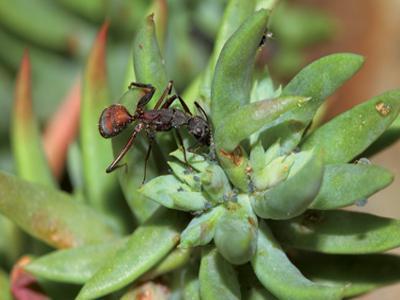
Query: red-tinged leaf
column 29, row 156
column 23, row 285
column 100, row 188
column 62, row 129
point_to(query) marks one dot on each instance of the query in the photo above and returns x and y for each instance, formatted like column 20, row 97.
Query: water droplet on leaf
column 361, row 202
column 364, row 161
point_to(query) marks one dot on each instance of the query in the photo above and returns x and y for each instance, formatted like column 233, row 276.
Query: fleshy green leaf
column 31, row 163
column 358, row 273
column 339, row 232
column 318, row 80
column 215, row 183
column 148, row 63
column 230, row 132
column 217, row 277
column 201, row 229
column 321, row 79
column 231, row 87
column 233, row 73
column 251, row 287
column 286, row 200
column 170, row 192
column 281, row 277
column 187, row 176
column 235, row 14
column 196, row 161
column 190, row 284
column 236, row 232
column 355, row 129
column 344, row 184
column 12, row 242
column 389, row 137
column 145, row 247
column 75, row 265
column 96, row 151
column 175, row 260
column 51, row 216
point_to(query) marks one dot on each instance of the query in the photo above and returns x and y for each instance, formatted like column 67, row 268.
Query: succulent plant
column 255, row 216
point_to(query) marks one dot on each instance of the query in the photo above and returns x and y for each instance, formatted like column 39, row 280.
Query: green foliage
column 254, row 216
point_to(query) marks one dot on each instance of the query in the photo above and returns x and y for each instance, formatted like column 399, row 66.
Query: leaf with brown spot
column 50, row 215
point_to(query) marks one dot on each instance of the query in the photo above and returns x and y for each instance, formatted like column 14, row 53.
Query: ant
column 116, row 118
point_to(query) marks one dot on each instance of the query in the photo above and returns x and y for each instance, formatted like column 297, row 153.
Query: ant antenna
column 202, row 111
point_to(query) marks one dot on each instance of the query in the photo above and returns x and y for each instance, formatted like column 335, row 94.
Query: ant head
column 199, row 128
column 113, row 120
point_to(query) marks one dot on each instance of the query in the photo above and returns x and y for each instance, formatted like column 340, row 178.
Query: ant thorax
column 165, row 119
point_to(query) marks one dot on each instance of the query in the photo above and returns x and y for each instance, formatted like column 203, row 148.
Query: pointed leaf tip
column 23, row 90
column 96, row 69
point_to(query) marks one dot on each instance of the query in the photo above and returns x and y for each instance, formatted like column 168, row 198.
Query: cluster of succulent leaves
column 268, row 189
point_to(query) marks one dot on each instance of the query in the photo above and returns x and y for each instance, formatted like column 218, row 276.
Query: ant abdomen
column 113, row 120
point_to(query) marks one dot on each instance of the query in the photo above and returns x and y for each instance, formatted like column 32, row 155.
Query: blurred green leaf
column 5, row 293
column 145, row 247
column 50, row 215
column 26, row 139
column 236, row 232
column 286, row 200
column 281, row 277
column 201, row 229
column 217, row 277
column 355, row 129
column 299, row 26
column 44, row 23
column 75, row 265
column 48, row 70
column 345, row 184
column 96, row 151
column 339, row 232
column 170, row 192
column 12, row 242
column 94, row 10
column 261, row 113
column 358, row 274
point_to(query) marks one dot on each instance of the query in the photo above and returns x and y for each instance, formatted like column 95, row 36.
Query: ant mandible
column 116, row 118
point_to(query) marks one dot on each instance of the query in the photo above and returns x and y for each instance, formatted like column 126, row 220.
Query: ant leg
column 114, row 165
column 151, row 139
column 183, row 148
column 172, row 99
column 166, row 92
column 148, row 90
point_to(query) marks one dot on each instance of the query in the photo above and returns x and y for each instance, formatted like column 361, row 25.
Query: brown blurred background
column 370, row 28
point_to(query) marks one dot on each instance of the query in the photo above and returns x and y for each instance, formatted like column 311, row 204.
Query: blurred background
column 58, row 34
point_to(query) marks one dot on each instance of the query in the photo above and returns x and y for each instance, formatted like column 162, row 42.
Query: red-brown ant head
column 113, row 120
column 199, row 128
